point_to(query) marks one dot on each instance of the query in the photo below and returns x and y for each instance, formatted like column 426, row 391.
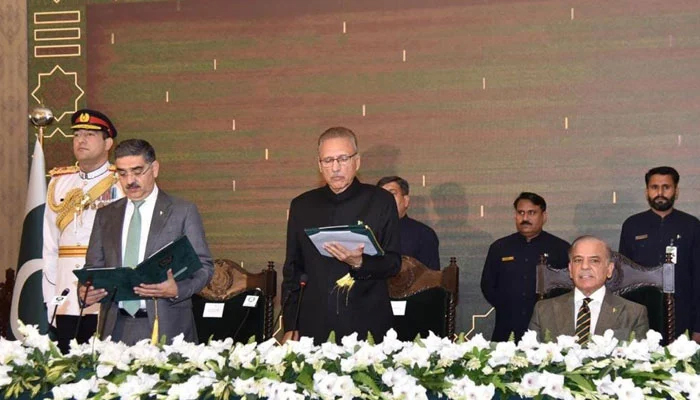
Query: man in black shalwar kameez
column 325, row 305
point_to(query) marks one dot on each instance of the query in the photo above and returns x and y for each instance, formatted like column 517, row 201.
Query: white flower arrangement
column 430, row 367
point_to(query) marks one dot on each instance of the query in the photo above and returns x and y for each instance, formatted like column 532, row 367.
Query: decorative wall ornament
column 60, row 90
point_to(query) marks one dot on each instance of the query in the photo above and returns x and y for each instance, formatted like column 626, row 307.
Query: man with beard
column 647, row 237
column 508, row 279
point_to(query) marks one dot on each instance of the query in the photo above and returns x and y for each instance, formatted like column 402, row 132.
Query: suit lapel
column 564, row 314
column 609, row 312
column 115, row 233
column 161, row 213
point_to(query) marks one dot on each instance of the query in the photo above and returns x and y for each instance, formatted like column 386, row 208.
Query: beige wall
column 13, row 129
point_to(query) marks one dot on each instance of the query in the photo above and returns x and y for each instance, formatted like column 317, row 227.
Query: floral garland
column 463, row 369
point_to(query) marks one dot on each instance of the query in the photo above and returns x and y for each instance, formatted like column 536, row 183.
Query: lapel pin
column 614, row 310
column 161, row 212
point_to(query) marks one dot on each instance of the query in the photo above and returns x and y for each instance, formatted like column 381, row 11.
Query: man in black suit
column 508, row 278
column 161, row 219
column 418, row 240
column 326, row 305
column 648, row 237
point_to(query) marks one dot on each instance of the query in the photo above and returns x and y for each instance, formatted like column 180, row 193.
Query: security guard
column 508, row 278
column 73, row 197
column 647, row 238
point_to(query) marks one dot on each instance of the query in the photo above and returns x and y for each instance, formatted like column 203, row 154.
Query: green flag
column 27, row 298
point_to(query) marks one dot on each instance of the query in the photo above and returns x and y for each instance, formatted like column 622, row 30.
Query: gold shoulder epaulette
column 71, row 169
column 113, row 168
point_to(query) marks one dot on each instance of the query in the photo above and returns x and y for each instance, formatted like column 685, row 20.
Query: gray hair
column 135, row 147
column 339, row 132
column 608, row 250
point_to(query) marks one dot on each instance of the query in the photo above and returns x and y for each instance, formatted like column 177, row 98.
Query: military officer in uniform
column 73, row 197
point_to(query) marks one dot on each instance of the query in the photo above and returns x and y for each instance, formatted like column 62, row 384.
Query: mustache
column 661, row 198
column 133, row 185
column 526, row 223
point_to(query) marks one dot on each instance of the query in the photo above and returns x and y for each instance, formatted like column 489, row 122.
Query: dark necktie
column 583, row 322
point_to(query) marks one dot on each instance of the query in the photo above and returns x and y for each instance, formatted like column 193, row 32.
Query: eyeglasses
column 135, row 172
column 342, row 160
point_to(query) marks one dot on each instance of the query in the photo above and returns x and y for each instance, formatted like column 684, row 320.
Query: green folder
column 349, row 236
column 178, row 255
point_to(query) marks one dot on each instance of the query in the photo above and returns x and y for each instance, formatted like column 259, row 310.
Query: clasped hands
column 166, row 289
column 342, row 253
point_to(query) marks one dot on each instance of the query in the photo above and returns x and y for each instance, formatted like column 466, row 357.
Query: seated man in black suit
column 418, row 240
column 590, row 308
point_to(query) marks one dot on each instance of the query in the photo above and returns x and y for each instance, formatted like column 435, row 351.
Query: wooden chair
column 234, row 289
column 652, row 287
column 430, row 299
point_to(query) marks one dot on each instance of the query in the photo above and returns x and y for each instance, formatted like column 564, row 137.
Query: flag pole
column 27, row 296
column 41, row 117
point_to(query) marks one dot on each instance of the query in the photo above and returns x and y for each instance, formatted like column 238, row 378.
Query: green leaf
column 363, row 379
column 35, row 390
column 370, row 338
column 498, row 384
column 267, row 373
column 461, row 338
column 547, row 336
column 212, row 364
column 306, row 378
column 581, row 382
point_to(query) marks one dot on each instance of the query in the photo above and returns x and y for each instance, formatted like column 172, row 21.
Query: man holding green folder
column 130, row 230
column 346, row 290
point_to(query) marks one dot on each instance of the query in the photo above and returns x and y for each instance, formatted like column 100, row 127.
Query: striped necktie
column 583, row 322
column 131, row 252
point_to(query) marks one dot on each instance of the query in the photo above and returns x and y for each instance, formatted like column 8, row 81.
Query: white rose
column 502, row 354
column 653, row 341
column 530, row 385
column 32, row 338
column 477, row 342
column 349, row 342
column 683, row 348
column 529, row 341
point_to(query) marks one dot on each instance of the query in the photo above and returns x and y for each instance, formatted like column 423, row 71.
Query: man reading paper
column 130, row 230
column 328, row 302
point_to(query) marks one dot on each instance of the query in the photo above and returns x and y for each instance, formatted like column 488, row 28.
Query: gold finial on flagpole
column 40, row 117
